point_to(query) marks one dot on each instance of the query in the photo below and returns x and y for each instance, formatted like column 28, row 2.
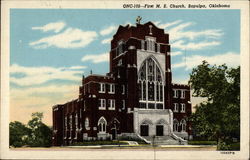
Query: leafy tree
column 218, row 117
column 41, row 134
column 18, row 134
column 35, row 134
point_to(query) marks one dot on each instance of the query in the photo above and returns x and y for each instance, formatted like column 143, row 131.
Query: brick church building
column 136, row 99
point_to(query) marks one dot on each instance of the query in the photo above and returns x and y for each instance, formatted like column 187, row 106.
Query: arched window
column 151, row 85
column 183, row 125
column 87, row 123
column 102, row 124
column 70, row 122
column 175, row 125
column 76, row 121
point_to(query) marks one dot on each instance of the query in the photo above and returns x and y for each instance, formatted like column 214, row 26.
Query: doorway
column 159, row 130
column 114, row 134
column 144, row 130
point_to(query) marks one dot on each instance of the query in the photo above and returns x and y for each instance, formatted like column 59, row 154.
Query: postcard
column 125, row 80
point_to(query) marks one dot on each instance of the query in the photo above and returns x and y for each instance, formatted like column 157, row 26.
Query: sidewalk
column 148, row 147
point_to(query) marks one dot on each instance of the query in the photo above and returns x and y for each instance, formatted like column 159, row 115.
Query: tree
column 41, row 134
column 19, row 134
column 219, row 116
column 35, row 134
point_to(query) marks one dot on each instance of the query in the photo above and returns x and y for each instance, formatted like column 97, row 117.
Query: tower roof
column 140, row 31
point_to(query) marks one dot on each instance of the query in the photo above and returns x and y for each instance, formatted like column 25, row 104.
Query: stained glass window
column 151, row 86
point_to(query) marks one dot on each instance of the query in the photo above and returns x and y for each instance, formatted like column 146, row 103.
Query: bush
column 228, row 147
column 235, row 146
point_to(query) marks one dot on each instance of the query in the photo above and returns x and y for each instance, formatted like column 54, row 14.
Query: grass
column 231, row 147
column 202, row 142
column 90, row 143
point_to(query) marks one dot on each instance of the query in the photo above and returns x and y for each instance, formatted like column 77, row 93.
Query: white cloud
column 111, row 29
column 180, row 44
column 106, row 41
column 40, row 75
column 166, row 25
column 56, row 27
column 96, row 58
column 180, row 31
column 230, row 59
column 70, row 38
column 108, row 30
column 176, row 53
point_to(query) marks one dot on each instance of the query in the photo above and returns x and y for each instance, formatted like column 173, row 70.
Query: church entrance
column 159, row 130
column 144, row 130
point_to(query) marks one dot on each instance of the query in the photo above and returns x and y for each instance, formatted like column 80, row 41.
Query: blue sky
column 51, row 49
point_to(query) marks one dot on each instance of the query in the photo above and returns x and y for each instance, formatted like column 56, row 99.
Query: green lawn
column 202, row 142
column 87, row 143
column 231, row 147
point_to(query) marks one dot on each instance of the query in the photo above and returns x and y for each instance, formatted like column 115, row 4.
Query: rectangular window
column 101, row 88
column 120, row 62
column 75, row 134
column 66, row 128
column 123, row 89
column 111, row 104
column 150, row 43
column 80, row 112
column 175, row 93
column 182, row 94
column 120, row 48
column 123, row 104
column 176, row 107
column 102, row 104
column 158, row 47
column 111, row 88
column 142, row 44
column 65, row 123
column 183, row 108
column 84, row 105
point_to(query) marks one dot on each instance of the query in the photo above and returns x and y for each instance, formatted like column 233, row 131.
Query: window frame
column 102, row 104
column 151, row 85
column 182, row 124
column 86, row 123
column 111, row 88
column 111, row 103
column 183, row 107
column 123, row 89
column 175, row 125
column 182, row 94
column 175, row 93
column 102, row 125
column 176, row 107
column 123, row 104
column 102, row 88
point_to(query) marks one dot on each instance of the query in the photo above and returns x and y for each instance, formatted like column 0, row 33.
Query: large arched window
column 183, row 125
column 102, row 124
column 151, row 85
